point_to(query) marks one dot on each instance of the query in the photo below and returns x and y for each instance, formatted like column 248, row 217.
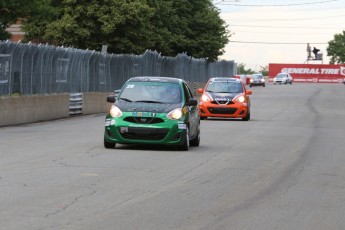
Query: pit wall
column 16, row 110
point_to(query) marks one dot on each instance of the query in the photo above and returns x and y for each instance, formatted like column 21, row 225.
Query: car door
column 193, row 111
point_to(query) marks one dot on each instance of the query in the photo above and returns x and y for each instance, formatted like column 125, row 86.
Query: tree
column 336, row 49
column 241, row 69
column 264, row 70
column 122, row 25
column 12, row 10
column 169, row 27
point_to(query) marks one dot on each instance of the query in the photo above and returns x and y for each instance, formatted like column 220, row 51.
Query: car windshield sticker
column 130, row 86
column 226, row 80
column 143, row 114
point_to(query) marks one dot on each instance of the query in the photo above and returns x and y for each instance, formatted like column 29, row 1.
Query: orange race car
column 226, row 98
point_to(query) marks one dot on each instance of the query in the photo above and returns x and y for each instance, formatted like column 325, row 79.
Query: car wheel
column 185, row 145
column 195, row 141
column 203, row 118
column 250, row 86
column 109, row 145
column 263, row 85
column 290, row 82
column 247, row 117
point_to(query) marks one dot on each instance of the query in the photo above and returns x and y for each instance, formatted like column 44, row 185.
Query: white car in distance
column 282, row 78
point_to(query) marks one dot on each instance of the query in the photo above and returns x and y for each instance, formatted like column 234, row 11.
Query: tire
column 185, row 145
column 195, row 141
column 109, row 145
column 247, row 117
column 263, row 85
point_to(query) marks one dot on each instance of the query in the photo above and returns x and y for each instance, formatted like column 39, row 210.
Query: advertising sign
column 317, row 73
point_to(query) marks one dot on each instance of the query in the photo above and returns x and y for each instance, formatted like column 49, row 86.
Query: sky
column 278, row 31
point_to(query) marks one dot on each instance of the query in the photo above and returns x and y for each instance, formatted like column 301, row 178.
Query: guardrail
column 75, row 103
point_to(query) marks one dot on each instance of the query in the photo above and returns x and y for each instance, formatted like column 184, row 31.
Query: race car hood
column 146, row 107
column 222, row 96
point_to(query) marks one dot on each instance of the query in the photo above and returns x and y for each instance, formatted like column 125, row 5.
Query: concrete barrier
column 96, row 103
column 17, row 110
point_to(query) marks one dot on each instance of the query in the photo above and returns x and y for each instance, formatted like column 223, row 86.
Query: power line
column 223, row 2
column 279, row 11
column 289, row 19
column 294, row 27
column 281, row 43
column 270, row 32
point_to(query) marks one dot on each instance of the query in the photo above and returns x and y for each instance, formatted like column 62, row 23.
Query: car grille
column 139, row 133
column 222, row 102
column 144, row 120
column 222, row 110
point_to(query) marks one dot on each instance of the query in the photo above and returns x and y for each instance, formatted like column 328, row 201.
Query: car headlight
column 240, row 99
column 251, row 80
column 262, row 80
column 115, row 111
column 175, row 114
column 205, row 98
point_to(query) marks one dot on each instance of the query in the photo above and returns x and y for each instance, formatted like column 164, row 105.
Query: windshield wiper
column 148, row 101
column 209, row 91
column 125, row 99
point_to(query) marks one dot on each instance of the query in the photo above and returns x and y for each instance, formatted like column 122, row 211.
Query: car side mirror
column 200, row 90
column 249, row 91
column 111, row 99
column 192, row 102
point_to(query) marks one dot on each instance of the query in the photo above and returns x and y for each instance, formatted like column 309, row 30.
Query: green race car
column 153, row 110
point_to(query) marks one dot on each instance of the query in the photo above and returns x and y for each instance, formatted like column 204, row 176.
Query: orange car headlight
column 240, row 99
column 205, row 98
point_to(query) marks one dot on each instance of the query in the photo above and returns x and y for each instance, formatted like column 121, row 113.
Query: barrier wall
column 25, row 109
column 15, row 110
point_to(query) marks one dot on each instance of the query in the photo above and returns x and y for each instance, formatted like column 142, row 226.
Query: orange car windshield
column 224, row 87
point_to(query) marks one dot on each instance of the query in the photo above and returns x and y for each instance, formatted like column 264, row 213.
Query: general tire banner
column 317, row 73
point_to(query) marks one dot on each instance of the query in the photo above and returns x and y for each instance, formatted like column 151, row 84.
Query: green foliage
column 170, row 27
column 264, row 70
column 336, row 49
column 241, row 69
column 12, row 10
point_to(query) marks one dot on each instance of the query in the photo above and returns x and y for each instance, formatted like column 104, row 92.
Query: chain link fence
column 30, row 69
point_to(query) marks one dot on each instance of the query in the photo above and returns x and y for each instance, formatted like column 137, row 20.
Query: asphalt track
column 283, row 169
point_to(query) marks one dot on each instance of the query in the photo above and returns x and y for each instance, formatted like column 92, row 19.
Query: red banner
column 318, row 73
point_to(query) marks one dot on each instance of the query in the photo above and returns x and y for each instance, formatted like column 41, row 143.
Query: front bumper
column 236, row 110
column 256, row 83
column 167, row 132
column 279, row 82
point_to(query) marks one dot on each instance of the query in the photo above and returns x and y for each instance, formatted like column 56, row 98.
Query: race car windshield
column 224, row 87
column 280, row 76
column 152, row 92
